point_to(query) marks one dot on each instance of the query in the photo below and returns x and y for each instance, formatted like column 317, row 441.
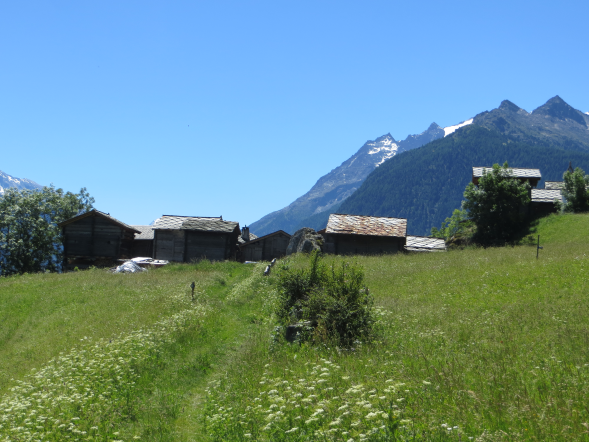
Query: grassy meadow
column 478, row 344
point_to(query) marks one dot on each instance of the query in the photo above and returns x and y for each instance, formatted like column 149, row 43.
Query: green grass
column 492, row 341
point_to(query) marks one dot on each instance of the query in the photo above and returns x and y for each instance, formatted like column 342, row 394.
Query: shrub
column 333, row 299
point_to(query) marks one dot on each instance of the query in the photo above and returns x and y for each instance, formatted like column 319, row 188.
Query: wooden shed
column 95, row 238
column 189, row 238
column 265, row 248
column 142, row 245
column 542, row 201
column 364, row 235
column 532, row 176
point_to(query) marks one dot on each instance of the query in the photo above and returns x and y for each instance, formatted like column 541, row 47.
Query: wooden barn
column 364, row 235
column 95, row 238
column 189, row 238
column 142, row 245
column 542, row 201
column 532, row 176
column 264, row 248
column 425, row 244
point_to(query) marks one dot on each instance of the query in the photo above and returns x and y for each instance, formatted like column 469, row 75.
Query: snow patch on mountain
column 387, row 148
column 587, row 113
column 7, row 181
column 451, row 129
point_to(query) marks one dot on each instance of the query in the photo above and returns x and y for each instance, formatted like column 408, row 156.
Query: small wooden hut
column 364, row 235
column 142, row 245
column 95, row 238
column 532, row 176
column 542, row 201
column 188, row 238
column 264, row 248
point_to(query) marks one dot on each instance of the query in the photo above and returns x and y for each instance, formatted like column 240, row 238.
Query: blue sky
column 236, row 108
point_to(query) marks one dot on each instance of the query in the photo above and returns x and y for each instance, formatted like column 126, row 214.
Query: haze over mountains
column 360, row 186
column 20, row 183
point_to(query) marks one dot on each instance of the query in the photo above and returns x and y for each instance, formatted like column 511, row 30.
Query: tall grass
column 480, row 344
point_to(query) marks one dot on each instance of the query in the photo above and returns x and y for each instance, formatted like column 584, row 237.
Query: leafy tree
column 497, row 205
column 457, row 224
column 30, row 240
column 575, row 191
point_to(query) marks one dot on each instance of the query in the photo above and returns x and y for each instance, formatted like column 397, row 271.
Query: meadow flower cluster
column 325, row 404
column 78, row 396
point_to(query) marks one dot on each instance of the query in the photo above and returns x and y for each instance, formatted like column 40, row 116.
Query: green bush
column 333, row 300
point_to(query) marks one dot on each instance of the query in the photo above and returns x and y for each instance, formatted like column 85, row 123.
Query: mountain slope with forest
column 425, row 185
column 331, row 189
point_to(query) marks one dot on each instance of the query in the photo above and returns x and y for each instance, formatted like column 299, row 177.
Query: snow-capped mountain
column 334, row 187
column 20, row 183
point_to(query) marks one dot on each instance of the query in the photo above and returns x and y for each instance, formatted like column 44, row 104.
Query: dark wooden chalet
column 189, row 238
column 364, row 235
column 425, row 244
column 532, row 176
column 142, row 245
column 542, row 201
column 264, row 248
column 95, row 238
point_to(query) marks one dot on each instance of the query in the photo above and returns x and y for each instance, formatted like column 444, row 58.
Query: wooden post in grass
column 538, row 247
column 192, row 286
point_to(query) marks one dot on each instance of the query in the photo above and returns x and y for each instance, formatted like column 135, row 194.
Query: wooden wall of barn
column 142, row 247
column 96, row 237
column 265, row 249
column 169, row 245
column 205, row 245
column 340, row 244
column 188, row 245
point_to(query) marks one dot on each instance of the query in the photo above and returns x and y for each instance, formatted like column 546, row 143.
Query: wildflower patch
column 322, row 405
column 74, row 396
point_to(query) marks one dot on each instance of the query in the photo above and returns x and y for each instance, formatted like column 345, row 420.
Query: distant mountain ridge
column 555, row 124
column 20, row 183
column 426, row 184
column 334, row 187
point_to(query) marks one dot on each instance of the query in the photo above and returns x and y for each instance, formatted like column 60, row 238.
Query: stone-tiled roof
column 146, row 232
column 424, row 244
column 95, row 212
column 240, row 240
column 554, row 185
column 477, row 172
column 366, row 225
column 545, row 195
column 172, row 222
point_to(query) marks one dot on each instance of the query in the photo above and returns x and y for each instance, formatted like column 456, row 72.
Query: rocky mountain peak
column 559, row 109
column 509, row 106
column 433, row 126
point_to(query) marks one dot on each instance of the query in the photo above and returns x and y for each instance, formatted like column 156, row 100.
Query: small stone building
column 264, row 248
column 189, row 238
column 95, row 238
column 364, row 235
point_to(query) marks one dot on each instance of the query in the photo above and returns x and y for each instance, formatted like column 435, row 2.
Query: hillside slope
column 334, row 187
column 424, row 185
